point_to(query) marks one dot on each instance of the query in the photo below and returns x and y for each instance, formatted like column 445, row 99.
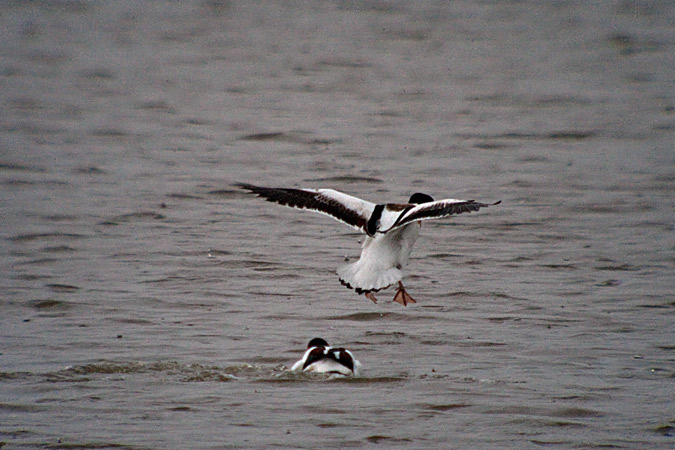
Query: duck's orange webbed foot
column 370, row 296
column 402, row 296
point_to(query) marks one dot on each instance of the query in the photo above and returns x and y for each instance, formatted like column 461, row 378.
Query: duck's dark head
column 317, row 342
column 419, row 198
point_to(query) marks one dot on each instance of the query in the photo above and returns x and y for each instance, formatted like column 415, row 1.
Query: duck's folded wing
column 437, row 210
column 350, row 210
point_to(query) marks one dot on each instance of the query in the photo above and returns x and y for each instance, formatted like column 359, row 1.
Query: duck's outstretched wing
column 436, row 210
column 349, row 210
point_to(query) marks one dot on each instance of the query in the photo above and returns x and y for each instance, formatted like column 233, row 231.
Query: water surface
column 147, row 304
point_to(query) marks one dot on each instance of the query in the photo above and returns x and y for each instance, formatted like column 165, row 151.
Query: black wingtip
column 243, row 185
column 253, row 189
column 484, row 204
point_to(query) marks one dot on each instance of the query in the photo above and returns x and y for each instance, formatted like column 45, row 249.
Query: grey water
column 145, row 303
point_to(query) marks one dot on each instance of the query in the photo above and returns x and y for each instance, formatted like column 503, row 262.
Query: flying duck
column 322, row 358
column 391, row 230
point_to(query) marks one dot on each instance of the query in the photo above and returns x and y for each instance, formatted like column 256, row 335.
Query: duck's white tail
column 368, row 277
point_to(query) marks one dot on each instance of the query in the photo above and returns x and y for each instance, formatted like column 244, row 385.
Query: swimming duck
column 391, row 230
column 322, row 358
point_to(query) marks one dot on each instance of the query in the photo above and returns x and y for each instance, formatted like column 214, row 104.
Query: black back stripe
column 371, row 228
column 342, row 356
column 316, row 354
column 400, row 216
column 339, row 355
